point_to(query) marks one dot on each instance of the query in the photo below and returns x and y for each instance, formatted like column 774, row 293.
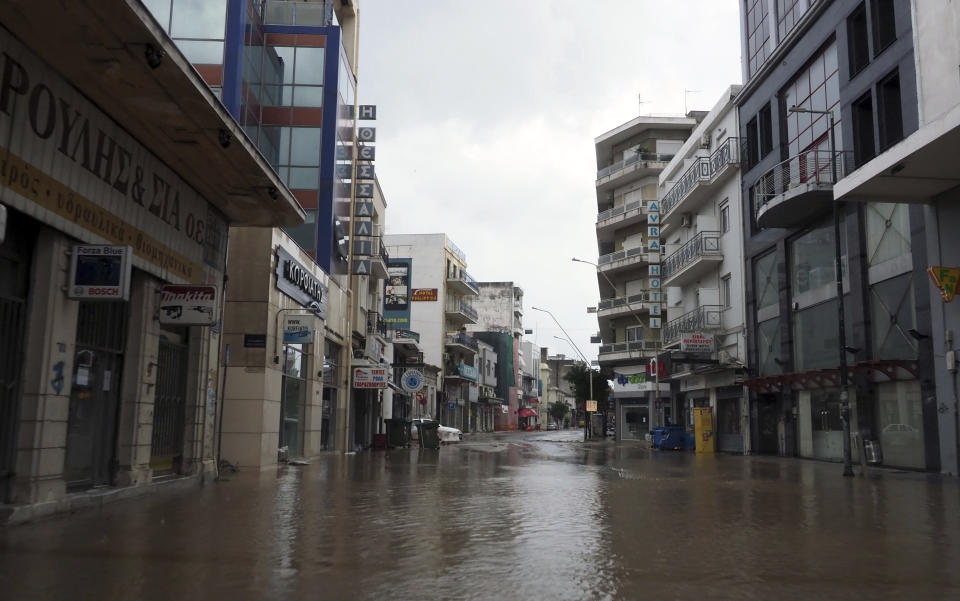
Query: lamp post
column 838, row 260
column 586, row 422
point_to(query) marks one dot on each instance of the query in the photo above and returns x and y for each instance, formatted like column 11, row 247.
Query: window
column 788, row 13
column 884, row 25
column 726, row 294
column 891, row 113
column 765, row 117
column 816, row 87
column 768, row 347
column 765, row 284
column 758, row 34
column 893, row 316
column 635, row 334
column 753, row 147
column 813, row 256
column 857, row 43
column 724, row 218
column 864, row 147
column 887, row 232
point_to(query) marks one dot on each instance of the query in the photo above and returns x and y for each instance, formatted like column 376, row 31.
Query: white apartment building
column 429, row 292
column 702, row 270
column 630, row 158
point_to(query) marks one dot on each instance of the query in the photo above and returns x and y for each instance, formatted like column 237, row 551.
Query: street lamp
column 586, row 423
column 837, row 259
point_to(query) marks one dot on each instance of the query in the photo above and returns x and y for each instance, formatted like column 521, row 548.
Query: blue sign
column 468, row 371
column 451, row 404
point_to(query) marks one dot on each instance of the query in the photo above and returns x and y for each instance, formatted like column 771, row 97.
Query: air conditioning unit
column 686, row 220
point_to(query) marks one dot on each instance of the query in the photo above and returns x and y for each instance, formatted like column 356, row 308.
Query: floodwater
column 509, row 516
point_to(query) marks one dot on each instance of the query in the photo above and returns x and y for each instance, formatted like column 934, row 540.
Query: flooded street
column 508, row 516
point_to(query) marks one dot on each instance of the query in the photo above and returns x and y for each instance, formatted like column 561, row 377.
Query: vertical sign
column 653, row 235
column 396, row 298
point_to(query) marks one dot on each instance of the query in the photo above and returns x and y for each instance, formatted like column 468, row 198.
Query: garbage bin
column 658, row 436
column 673, row 438
column 398, row 432
column 428, row 431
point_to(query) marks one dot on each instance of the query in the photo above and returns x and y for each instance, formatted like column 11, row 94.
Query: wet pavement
column 509, row 516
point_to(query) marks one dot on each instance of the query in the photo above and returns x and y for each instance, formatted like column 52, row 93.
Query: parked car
column 446, row 433
column 552, row 426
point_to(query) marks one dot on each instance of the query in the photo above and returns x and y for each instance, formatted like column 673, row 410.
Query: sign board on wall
column 696, row 343
column 298, row 282
column 188, row 305
column 591, row 406
column 298, row 329
column 412, row 380
column 370, row 377
column 396, row 299
column 424, row 294
column 100, row 272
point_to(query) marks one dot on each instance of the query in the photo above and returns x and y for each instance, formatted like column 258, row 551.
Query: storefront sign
column 70, row 165
column 468, row 371
column 298, row 329
column 370, row 377
column 100, row 272
column 298, row 282
column 591, row 406
column 696, row 343
column 945, row 279
column 188, row 305
column 412, row 380
column 424, row 294
column 396, row 300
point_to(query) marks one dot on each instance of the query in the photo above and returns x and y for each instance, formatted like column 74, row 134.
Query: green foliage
column 579, row 378
column 558, row 411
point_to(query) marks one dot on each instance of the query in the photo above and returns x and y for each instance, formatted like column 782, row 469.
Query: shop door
column 169, row 409
column 767, row 422
column 729, row 438
column 95, row 394
column 14, row 281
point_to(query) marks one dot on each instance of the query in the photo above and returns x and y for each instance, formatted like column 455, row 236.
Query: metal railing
column 810, row 167
column 463, row 340
column 702, row 245
column 623, row 301
column 406, row 335
column 621, row 210
column 465, row 278
column 639, row 157
column 456, row 305
column 375, row 324
column 705, row 317
column 627, row 253
column 703, row 169
column 623, row 347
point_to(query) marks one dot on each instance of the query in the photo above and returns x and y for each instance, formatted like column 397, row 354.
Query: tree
column 558, row 411
column 579, row 378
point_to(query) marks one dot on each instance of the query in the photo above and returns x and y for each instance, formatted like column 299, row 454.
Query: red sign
column 660, row 367
column 423, row 294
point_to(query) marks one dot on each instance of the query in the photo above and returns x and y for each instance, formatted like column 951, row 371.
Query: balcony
column 460, row 312
column 639, row 165
column 461, row 371
column 609, row 221
column 406, row 338
column 462, row 284
column 628, row 257
column 799, row 188
column 691, row 260
column 462, row 342
column 624, row 305
column 621, row 353
column 378, row 261
column 702, row 177
column 376, row 325
column 701, row 319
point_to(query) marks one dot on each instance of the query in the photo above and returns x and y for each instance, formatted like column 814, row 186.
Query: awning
column 527, row 412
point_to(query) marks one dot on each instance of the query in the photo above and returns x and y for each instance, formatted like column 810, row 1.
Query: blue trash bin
column 674, row 438
column 657, row 437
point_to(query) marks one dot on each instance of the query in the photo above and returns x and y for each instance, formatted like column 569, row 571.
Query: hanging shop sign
column 396, row 298
column 187, row 305
column 424, row 294
column 100, row 272
column 298, row 282
column 412, row 380
column 371, row 377
column 696, row 343
column 298, row 329
column 945, row 279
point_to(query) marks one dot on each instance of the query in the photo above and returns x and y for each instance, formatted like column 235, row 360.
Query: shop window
column 858, row 47
column 815, row 336
column 825, row 410
column 900, row 421
column 893, row 315
column 813, row 259
column 884, row 25
column 864, row 148
column 891, row 112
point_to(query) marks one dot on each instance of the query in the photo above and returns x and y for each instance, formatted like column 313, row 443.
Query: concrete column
column 49, row 351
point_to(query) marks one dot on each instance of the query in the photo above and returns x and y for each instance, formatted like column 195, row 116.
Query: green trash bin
column 429, row 433
column 398, row 432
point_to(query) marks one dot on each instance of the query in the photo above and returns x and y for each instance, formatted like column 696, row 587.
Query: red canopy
column 527, row 412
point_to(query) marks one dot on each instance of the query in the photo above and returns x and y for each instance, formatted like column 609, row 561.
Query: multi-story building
column 701, row 225
column 430, row 292
column 920, row 170
column 528, row 413
column 828, row 84
column 500, row 323
column 556, row 388
column 488, row 403
column 286, row 71
column 630, row 158
column 114, row 255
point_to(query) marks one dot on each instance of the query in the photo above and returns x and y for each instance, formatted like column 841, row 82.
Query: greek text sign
column 696, row 343
column 370, row 377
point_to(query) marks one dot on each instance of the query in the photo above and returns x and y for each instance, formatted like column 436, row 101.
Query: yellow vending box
column 703, row 428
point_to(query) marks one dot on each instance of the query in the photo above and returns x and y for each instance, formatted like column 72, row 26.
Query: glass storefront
column 900, row 424
column 293, row 399
column 634, row 420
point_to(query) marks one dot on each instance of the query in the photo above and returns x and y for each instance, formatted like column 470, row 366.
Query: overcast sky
column 486, row 116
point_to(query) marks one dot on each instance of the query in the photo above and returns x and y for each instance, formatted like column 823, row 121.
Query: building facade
column 852, row 64
column 702, row 271
column 115, row 254
column 630, row 312
column 529, row 406
column 500, row 323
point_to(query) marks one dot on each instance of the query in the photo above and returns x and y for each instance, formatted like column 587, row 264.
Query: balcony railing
column 623, row 347
column 296, row 13
column 376, row 325
column 703, row 169
column 463, row 340
column 705, row 317
column 636, row 158
column 627, row 253
column 464, row 278
column 406, row 335
column 702, row 245
column 617, row 211
column 456, row 305
column 812, row 167
column 624, row 301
